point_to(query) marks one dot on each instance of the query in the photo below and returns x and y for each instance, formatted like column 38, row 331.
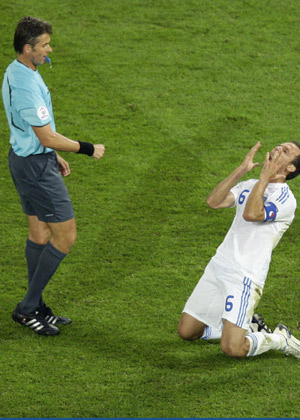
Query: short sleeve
column 235, row 190
column 36, row 117
column 31, row 106
column 280, row 205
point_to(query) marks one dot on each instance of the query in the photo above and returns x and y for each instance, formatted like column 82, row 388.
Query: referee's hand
column 99, row 151
column 63, row 165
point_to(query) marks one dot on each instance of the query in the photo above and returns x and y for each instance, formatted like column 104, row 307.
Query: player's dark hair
column 296, row 163
column 28, row 30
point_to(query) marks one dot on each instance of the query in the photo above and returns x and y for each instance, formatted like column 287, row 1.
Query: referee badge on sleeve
column 43, row 113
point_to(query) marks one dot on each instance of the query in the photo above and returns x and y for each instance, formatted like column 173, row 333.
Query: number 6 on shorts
column 228, row 304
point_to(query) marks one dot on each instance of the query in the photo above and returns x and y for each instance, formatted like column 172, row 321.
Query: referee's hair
column 296, row 163
column 28, row 30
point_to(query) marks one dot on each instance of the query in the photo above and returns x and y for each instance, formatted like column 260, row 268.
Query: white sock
column 262, row 342
column 211, row 333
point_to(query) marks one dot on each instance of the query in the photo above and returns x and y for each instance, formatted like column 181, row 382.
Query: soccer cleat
column 47, row 313
column 258, row 324
column 292, row 344
column 35, row 321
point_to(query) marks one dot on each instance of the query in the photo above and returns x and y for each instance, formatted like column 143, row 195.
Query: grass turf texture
column 178, row 92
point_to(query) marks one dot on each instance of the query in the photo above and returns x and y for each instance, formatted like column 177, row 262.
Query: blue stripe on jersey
column 284, row 195
column 244, row 302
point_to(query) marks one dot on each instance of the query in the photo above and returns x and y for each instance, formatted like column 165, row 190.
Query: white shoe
column 292, row 344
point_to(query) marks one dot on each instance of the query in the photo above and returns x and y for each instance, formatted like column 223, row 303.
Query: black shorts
column 41, row 188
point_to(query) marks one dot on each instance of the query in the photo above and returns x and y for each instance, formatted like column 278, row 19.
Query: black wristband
column 86, row 148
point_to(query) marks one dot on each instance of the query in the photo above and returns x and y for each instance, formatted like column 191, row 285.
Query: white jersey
column 248, row 246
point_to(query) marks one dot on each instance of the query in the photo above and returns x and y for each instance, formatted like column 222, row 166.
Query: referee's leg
column 63, row 236
column 39, row 232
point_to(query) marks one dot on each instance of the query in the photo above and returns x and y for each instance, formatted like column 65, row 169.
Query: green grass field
column 178, row 91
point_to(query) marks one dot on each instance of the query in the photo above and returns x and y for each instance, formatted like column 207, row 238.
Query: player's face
column 41, row 50
column 288, row 152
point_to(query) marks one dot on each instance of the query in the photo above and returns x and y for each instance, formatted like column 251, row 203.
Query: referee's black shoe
column 52, row 319
column 35, row 321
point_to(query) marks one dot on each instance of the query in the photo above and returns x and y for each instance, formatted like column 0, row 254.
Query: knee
column 183, row 333
column 187, row 333
column 69, row 240
column 40, row 237
column 72, row 238
column 64, row 241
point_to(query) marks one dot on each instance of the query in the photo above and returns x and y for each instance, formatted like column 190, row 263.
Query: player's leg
column 237, row 342
column 233, row 341
column 202, row 314
column 241, row 297
column 190, row 328
column 257, row 324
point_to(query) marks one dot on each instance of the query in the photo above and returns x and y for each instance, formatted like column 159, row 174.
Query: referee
column 37, row 169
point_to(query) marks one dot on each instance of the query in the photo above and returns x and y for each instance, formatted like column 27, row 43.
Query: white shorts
column 223, row 294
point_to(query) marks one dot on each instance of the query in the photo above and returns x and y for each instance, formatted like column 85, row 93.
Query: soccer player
column 223, row 302
column 37, row 169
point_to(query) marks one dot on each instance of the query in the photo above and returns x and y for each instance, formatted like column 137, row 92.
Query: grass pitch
column 178, row 92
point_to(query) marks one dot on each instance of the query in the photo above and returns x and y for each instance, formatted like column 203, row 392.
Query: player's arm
column 56, row 141
column 255, row 210
column 221, row 196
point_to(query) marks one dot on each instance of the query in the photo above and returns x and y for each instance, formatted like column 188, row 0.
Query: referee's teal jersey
column 27, row 103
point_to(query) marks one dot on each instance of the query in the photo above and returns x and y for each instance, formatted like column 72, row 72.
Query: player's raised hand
column 274, row 165
column 248, row 163
column 99, row 151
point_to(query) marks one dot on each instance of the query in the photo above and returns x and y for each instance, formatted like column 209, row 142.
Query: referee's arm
column 56, row 141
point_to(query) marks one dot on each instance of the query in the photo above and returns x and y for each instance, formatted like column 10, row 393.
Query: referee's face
column 41, row 50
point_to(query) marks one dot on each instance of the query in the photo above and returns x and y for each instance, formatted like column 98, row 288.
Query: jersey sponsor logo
column 43, row 113
column 270, row 211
